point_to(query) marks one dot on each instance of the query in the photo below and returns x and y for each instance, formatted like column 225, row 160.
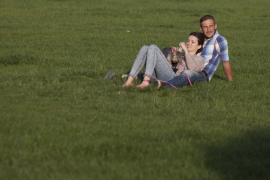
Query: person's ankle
column 129, row 82
column 146, row 81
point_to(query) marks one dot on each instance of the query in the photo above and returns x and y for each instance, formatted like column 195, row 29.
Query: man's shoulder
column 221, row 44
column 220, row 38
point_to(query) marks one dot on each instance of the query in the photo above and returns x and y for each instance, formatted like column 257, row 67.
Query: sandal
column 124, row 85
column 141, row 86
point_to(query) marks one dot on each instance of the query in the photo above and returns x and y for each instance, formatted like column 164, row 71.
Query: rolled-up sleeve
column 223, row 46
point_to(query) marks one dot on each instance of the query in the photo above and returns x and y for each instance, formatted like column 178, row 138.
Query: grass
column 60, row 120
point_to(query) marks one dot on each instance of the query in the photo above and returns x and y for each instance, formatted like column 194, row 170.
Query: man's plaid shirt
column 215, row 50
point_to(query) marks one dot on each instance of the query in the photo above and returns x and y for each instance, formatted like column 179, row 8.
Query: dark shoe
column 110, row 74
column 158, row 84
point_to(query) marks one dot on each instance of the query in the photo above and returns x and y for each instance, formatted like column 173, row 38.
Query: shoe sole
column 158, row 84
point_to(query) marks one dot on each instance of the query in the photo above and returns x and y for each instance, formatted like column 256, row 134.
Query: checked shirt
column 215, row 50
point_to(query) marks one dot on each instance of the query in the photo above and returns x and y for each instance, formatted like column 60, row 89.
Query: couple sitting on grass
column 203, row 52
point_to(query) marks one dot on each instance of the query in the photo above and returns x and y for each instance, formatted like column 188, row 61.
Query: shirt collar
column 212, row 38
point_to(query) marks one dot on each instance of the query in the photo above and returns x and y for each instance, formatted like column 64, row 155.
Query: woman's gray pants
column 155, row 64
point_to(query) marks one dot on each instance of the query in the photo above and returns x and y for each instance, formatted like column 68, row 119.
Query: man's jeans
column 182, row 79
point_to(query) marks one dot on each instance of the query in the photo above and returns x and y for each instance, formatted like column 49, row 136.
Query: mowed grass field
column 60, row 120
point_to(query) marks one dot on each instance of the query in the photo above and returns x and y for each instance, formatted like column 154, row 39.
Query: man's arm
column 228, row 70
column 225, row 59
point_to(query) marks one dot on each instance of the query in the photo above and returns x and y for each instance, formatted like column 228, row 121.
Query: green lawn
column 60, row 120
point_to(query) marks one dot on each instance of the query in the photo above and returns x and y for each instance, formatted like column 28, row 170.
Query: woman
column 157, row 65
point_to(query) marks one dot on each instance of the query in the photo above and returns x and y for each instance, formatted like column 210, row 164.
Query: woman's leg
column 156, row 65
column 137, row 66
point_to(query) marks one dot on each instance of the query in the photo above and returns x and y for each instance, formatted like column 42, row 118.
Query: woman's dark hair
column 200, row 38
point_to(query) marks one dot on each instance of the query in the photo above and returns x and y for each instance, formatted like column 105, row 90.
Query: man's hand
column 228, row 70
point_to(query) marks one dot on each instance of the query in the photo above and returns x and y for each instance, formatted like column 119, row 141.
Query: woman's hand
column 175, row 48
column 183, row 46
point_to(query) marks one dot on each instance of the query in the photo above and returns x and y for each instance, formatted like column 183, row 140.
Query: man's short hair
column 206, row 17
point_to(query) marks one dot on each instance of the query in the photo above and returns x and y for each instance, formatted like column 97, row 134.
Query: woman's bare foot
column 144, row 84
column 129, row 82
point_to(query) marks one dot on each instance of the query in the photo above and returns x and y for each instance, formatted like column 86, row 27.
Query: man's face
column 208, row 28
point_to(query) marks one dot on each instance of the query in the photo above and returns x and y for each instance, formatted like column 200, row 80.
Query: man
column 215, row 50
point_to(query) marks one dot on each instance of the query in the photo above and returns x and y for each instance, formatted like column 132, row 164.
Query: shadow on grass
column 219, row 77
column 244, row 157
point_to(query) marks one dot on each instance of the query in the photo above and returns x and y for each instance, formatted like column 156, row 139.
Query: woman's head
column 195, row 42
